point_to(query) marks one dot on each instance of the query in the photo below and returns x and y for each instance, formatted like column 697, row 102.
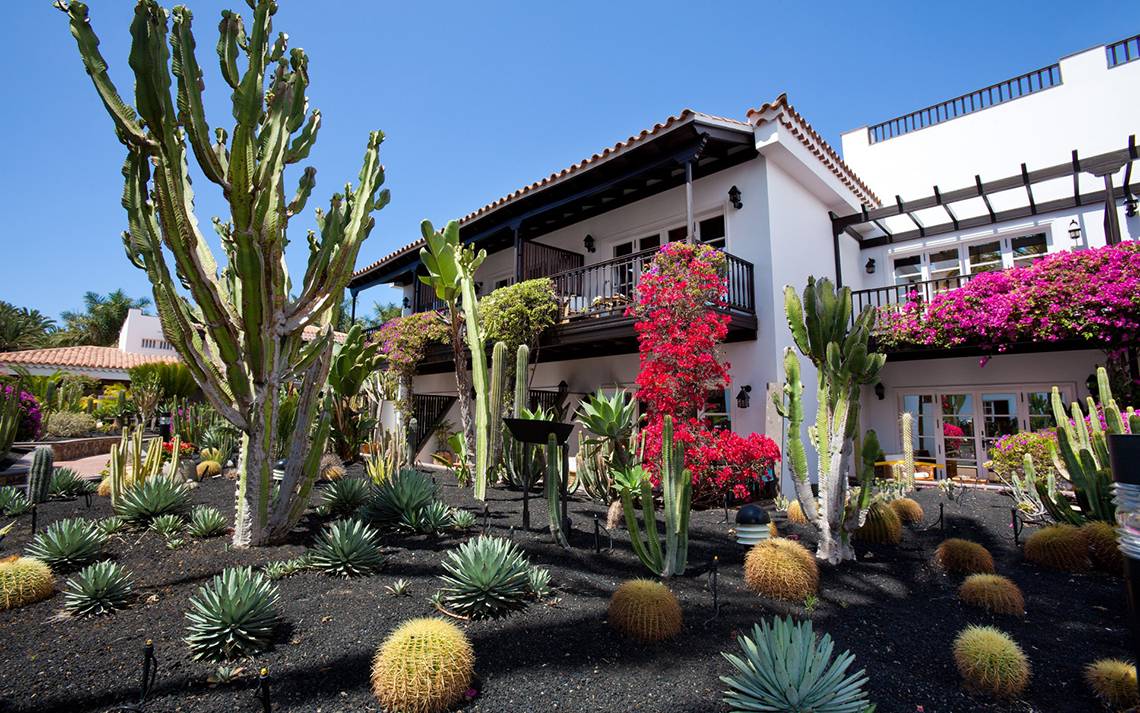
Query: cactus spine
column 236, row 326
column 823, row 330
column 39, row 475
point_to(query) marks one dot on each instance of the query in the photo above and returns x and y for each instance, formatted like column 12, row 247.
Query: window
column 1028, row 249
column 985, row 257
column 908, row 270
column 711, row 231
column 716, row 410
column 677, row 234
column 945, row 266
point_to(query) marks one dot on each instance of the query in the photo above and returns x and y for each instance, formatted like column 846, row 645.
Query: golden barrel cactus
column 645, row 610
column 991, row 662
column 881, row 526
column 908, row 510
column 796, row 513
column 1103, row 547
column 1061, row 547
column 781, row 569
column 1114, row 682
column 958, row 556
column 208, row 469
column 24, row 580
column 424, row 666
column 992, row 592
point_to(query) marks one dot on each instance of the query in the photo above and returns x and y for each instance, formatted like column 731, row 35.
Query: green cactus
column 495, row 405
column 237, row 327
column 677, row 491
column 39, row 475
column 1081, row 457
column 522, row 359
column 823, row 330
column 9, row 420
column 553, row 485
column 906, row 428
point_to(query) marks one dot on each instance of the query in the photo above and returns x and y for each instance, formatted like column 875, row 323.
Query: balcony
column 894, row 296
column 593, row 300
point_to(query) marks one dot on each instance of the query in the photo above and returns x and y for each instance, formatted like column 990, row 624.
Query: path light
column 1124, row 459
column 752, row 523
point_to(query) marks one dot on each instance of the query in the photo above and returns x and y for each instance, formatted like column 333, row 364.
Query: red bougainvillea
column 679, row 332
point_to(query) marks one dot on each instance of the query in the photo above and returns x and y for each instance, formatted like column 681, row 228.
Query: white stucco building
column 994, row 178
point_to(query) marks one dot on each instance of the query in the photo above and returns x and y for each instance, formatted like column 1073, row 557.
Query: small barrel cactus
column 424, row 666
column 208, row 469
column 908, row 510
column 882, row 526
column 991, row 662
column 992, row 592
column 958, row 556
column 1114, row 682
column 1103, row 547
column 781, row 569
column 24, row 580
column 39, row 475
column 1061, row 547
column 796, row 513
column 645, row 610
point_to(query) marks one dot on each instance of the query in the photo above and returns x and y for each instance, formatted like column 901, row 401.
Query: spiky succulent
column 287, row 568
column 206, row 521
column 348, row 548
column 110, row 526
column 487, row 578
column 232, row 617
column 785, row 668
column 399, row 501
column 66, row 483
column 436, row 517
column 147, row 500
column 168, row 526
column 463, row 519
column 97, row 589
column 345, row 496
column 13, row 502
column 67, row 544
column 24, row 580
column 399, row 588
column 538, row 579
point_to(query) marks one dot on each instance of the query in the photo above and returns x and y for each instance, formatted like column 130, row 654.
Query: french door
column 958, row 427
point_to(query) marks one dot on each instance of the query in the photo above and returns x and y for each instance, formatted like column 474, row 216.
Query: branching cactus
column 238, row 326
column 823, row 330
column 1081, row 456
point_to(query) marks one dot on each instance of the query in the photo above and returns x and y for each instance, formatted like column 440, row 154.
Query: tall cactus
column 237, row 327
column 823, row 330
column 906, row 429
column 677, row 491
column 553, row 485
column 10, row 415
column 495, row 405
column 522, row 359
column 39, row 475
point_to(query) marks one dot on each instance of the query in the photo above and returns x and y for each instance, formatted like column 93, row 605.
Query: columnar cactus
column 238, row 326
column 823, row 330
column 553, row 493
column 39, row 475
column 906, row 428
column 495, row 405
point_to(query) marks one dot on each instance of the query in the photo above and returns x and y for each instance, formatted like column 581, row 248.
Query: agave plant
column 399, row 501
column 206, row 521
column 13, row 502
column 66, row 483
column 436, row 517
column 110, row 526
column 786, row 669
column 487, row 578
column 399, row 588
column 348, row 548
column 538, row 579
column 145, row 501
column 97, row 589
column 608, row 417
column 168, row 526
column 67, row 544
column 287, row 568
column 462, row 519
column 345, row 496
column 232, row 617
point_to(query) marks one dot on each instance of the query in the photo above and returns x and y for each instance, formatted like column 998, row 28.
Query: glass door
column 959, row 435
column 1000, row 417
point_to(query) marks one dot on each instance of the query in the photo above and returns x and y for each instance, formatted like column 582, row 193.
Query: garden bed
column 894, row 610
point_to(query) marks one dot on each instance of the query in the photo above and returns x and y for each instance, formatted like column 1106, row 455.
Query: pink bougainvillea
column 31, row 419
column 679, row 332
column 1089, row 295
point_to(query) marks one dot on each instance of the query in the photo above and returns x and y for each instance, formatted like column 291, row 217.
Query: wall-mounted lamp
column 588, row 243
column 870, row 266
column 734, row 198
column 1074, row 231
column 880, row 391
column 407, row 303
column 742, row 397
column 1129, row 205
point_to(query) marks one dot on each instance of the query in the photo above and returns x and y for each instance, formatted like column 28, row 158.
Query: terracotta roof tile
column 780, row 110
column 83, row 357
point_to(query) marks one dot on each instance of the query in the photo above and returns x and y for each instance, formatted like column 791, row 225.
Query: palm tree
column 23, row 328
column 100, row 323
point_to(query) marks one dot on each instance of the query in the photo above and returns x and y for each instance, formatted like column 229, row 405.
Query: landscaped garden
column 282, row 548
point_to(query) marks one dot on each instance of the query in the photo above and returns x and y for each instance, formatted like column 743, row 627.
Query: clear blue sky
column 478, row 99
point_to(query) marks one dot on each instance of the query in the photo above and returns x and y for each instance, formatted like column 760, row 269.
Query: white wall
column 142, row 334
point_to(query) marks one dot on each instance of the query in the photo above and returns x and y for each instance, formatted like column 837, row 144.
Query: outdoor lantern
column 870, row 266
column 165, row 429
column 1130, row 205
column 742, row 398
column 407, row 303
column 752, row 523
column 588, row 243
column 1124, row 459
column 880, row 391
column 1074, row 230
column 279, row 470
column 734, row 198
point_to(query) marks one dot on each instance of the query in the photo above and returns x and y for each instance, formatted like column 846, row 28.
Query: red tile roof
column 84, row 357
column 780, row 110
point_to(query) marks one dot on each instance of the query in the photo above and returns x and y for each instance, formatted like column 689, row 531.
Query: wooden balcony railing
column 895, row 296
column 538, row 260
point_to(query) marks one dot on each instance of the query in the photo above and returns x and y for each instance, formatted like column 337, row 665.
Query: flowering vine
column 31, row 420
column 404, row 342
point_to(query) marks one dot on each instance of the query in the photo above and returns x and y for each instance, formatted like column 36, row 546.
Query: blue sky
column 478, row 99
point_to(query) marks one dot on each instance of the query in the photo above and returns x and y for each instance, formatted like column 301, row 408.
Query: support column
column 352, row 315
column 518, row 254
column 690, row 227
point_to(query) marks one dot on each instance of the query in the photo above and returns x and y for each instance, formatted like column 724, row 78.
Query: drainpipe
column 690, row 229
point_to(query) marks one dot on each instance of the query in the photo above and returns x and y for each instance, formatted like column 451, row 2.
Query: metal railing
column 1122, row 52
column 428, row 410
column 894, row 296
column 1010, row 89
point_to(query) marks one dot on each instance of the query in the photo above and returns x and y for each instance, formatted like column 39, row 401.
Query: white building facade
column 783, row 205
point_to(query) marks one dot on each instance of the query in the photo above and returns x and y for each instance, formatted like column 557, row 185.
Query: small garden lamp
column 1124, row 459
column 742, row 396
column 752, row 523
column 1074, row 231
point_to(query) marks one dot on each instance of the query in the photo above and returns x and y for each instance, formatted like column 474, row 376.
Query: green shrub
column 232, row 617
column 206, row 521
column 398, row 502
column 66, row 483
column 347, row 548
column 70, row 424
column 97, row 589
column 1007, row 455
column 345, row 496
column 990, row 661
column 156, row 496
column 487, row 578
column 520, row 313
column 67, row 544
column 785, row 668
